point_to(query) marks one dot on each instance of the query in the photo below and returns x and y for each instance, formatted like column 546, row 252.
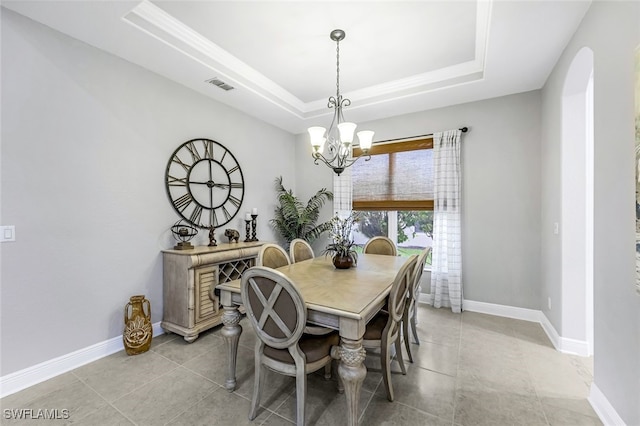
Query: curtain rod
column 462, row 129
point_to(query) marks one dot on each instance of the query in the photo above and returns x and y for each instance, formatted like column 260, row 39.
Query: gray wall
column 612, row 31
column 501, row 190
column 85, row 141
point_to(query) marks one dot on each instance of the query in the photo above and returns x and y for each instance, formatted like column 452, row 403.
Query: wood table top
column 346, row 292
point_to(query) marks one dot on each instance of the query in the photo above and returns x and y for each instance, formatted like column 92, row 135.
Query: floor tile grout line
column 455, row 391
column 274, row 414
column 193, row 405
column 523, row 355
column 36, row 396
column 366, row 406
column 420, row 411
column 263, row 406
column 533, row 383
column 103, row 398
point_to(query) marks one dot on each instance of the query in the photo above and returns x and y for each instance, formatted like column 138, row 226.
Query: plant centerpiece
column 293, row 219
column 342, row 247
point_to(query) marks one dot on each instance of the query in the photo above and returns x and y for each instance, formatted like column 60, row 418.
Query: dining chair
column 272, row 256
column 384, row 329
column 278, row 314
column 410, row 312
column 300, row 250
column 381, row 245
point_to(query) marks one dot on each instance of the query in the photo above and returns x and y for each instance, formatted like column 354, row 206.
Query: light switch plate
column 7, row 233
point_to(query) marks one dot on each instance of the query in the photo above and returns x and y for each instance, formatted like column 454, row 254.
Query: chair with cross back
column 278, row 314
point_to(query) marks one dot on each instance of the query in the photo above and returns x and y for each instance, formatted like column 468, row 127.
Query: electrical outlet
column 7, row 233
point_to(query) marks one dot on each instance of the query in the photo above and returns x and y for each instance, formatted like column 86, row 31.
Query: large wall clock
column 204, row 183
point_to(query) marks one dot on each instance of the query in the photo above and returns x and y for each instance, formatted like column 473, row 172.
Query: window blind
column 399, row 176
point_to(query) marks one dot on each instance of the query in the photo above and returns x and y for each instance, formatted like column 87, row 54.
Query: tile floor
column 470, row 369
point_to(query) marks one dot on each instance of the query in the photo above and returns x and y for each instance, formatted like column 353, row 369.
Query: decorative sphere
column 184, row 231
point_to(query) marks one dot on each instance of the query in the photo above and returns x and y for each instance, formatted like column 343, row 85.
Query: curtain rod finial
column 464, row 129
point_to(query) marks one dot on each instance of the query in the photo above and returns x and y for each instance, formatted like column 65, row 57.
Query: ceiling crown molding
column 162, row 26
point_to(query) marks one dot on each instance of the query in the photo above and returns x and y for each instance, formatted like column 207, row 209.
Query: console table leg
column 231, row 334
column 352, row 372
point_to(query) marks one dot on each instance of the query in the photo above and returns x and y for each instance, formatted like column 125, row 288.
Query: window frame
column 390, row 148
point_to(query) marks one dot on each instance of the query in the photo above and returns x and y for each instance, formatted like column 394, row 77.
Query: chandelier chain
column 338, row 70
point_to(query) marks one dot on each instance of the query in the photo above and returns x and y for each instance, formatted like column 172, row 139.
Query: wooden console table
column 189, row 280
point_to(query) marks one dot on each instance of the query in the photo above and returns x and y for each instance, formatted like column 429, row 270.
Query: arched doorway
column 577, row 165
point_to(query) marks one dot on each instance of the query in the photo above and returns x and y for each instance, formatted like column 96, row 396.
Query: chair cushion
column 314, row 347
column 376, row 326
column 301, row 252
column 273, row 258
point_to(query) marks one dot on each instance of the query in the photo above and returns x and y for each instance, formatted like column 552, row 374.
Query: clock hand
column 211, row 184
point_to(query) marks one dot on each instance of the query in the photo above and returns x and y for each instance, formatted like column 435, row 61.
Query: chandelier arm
column 339, row 152
column 350, row 162
column 322, row 158
column 334, row 155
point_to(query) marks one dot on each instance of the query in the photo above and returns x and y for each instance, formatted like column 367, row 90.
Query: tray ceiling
column 398, row 57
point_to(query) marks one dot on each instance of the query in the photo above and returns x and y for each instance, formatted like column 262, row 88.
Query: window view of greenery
column 412, row 232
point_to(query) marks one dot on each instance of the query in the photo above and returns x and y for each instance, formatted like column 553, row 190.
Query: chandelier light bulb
column 365, row 137
column 346, row 132
column 316, row 136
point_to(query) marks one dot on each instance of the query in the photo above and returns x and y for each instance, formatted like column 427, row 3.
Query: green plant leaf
column 293, row 219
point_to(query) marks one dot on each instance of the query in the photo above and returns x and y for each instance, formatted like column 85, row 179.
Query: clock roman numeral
column 232, row 170
column 194, row 151
column 227, row 215
column 223, row 155
column 183, row 202
column 208, row 149
column 195, row 215
column 185, row 166
column 237, row 185
column 235, row 201
column 214, row 220
column 174, row 181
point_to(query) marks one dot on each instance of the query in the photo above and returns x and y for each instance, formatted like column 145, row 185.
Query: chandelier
column 339, row 138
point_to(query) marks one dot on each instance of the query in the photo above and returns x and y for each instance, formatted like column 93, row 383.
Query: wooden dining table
column 341, row 299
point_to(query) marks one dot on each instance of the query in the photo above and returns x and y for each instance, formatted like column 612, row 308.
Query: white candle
column 247, row 216
column 254, row 211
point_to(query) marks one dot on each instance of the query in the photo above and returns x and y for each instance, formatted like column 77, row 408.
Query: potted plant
column 293, row 219
column 342, row 247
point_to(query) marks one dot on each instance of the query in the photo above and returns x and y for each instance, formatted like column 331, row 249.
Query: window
column 394, row 192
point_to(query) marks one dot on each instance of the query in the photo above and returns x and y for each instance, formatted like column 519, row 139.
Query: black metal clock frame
column 199, row 199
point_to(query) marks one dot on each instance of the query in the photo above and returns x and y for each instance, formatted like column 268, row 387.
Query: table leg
column 352, row 372
column 231, row 334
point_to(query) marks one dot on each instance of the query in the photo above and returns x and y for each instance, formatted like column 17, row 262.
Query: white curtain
column 342, row 193
column 446, row 263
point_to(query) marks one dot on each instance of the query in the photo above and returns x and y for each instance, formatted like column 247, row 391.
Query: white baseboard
column 562, row 344
column 502, row 310
column 598, row 401
column 424, row 298
column 492, row 309
column 15, row 382
column 603, row 408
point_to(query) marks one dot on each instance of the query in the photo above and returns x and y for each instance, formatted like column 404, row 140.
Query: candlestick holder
column 247, row 226
column 212, row 237
column 253, row 227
